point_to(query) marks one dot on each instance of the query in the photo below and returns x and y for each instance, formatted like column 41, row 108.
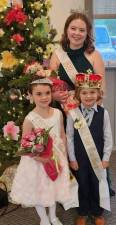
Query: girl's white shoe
column 56, row 221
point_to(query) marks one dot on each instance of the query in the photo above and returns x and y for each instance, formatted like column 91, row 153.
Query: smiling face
column 88, row 96
column 42, row 95
column 77, row 33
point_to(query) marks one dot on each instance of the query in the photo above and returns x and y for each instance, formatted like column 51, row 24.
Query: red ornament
column 17, row 38
column 15, row 14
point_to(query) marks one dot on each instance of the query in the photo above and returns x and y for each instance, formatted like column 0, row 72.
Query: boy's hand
column 105, row 164
column 74, row 165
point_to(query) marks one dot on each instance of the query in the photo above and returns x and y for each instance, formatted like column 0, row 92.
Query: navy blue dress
column 80, row 62
column 82, row 65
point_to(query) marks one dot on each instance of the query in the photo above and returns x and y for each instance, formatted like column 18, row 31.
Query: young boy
column 89, row 141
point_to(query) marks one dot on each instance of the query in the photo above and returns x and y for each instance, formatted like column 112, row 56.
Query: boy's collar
column 93, row 107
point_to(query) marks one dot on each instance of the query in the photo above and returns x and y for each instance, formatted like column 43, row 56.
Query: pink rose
column 29, row 137
column 26, row 144
column 39, row 131
column 11, row 131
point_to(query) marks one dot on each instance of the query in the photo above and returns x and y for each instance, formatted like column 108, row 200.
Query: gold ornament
column 3, row 5
column 37, row 5
column 8, row 60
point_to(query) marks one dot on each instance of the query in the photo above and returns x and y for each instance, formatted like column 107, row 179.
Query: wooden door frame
column 89, row 8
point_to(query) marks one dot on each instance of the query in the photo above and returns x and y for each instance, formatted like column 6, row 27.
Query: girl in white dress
column 32, row 186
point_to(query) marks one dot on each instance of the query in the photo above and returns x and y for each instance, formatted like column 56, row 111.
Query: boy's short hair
column 77, row 93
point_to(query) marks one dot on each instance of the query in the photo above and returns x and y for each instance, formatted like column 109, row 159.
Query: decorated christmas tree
column 26, row 43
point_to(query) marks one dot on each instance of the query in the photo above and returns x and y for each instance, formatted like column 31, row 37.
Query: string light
column 9, row 112
column 7, row 153
column 21, row 61
column 20, row 98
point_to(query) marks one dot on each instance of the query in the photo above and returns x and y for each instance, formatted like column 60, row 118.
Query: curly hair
column 88, row 44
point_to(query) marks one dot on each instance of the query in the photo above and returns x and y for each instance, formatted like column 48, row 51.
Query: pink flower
column 26, row 144
column 29, row 137
column 11, row 131
column 39, row 131
column 39, row 148
column 59, row 85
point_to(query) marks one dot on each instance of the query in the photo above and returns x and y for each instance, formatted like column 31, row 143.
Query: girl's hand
column 105, row 164
column 60, row 96
column 41, row 159
column 74, row 165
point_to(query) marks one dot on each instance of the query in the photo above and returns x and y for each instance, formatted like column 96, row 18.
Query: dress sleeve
column 70, row 138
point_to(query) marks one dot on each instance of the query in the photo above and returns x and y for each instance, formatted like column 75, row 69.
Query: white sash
column 94, row 158
column 36, row 121
column 67, row 64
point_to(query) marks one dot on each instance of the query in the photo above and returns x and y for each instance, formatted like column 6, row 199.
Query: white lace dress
column 31, row 185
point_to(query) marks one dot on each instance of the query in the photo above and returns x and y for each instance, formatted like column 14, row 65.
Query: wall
column 110, row 100
column 58, row 14
column 60, row 11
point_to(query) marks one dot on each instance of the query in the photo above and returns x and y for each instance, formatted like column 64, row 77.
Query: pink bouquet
column 34, row 143
column 39, row 143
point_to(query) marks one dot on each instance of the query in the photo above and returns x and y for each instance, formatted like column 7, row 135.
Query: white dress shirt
column 108, row 142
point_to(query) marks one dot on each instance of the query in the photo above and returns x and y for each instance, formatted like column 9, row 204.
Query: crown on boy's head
column 88, row 80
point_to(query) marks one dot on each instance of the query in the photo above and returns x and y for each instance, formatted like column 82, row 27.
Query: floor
column 28, row 216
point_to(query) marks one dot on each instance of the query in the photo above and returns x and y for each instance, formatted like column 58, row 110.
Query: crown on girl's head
column 43, row 80
column 88, row 80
